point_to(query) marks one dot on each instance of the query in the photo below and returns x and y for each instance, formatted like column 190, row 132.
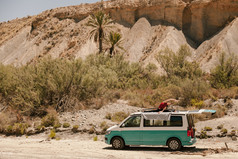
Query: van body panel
column 132, row 137
column 147, row 129
column 160, row 137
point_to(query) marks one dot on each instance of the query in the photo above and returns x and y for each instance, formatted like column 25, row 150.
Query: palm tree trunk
column 111, row 51
column 100, row 40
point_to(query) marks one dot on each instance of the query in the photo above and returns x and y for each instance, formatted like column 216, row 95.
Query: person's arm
column 164, row 109
column 171, row 99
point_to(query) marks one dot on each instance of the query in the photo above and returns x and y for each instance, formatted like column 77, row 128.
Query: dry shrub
column 7, row 118
column 66, row 125
column 104, row 126
column 119, row 116
column 108, row 116
column 19, row 128
column 145, row 98
column 92, row 130
column 49, row 120
column 224, row 93
column 75, row 129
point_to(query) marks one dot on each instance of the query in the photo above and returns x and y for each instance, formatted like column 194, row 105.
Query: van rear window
column 174, row 121
column 190, row 121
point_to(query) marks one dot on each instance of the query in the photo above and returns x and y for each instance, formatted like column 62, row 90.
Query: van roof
column 182, row 112
column 167, row 115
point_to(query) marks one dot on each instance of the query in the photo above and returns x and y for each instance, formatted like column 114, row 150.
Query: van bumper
column 192, row 141
column 107, row 140
column 189, row 142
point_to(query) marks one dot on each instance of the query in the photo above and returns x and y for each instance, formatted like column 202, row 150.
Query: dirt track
column 83, row 146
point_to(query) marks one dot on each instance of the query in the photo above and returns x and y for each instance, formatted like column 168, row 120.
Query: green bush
column 62, row 83
column 66, row 125
column 224, row 131
column 203, row 135
column 196, row 89
column 176, row 65
column 197, row 104
column 52, row 134
column 225, row 75
column 75, row 128
column 95, row 138
column 206, row 128
column 17, row 129
column 57, row 125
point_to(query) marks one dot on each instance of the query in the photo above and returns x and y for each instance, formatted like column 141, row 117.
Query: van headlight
column 108, row 132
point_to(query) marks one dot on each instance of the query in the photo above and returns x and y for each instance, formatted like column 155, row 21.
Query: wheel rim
column 174, row 145
column 117, row 143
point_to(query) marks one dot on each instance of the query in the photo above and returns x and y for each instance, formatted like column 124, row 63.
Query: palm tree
column 114, row 40
column 100, row 23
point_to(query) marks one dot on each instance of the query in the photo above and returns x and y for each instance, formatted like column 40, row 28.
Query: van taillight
column 190, row 132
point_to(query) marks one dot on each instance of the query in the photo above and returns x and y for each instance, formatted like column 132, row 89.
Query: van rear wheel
column 174, row 144
column 118, row 143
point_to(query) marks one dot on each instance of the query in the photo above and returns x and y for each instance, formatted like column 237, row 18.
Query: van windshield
column 190, row 121
column 133, row 121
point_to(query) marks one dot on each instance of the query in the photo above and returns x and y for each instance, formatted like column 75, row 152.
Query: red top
column 163, row 105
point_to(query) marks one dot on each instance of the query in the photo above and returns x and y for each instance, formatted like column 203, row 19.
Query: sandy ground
column 83, row 146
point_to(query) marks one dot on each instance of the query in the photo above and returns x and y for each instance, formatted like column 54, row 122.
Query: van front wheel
column 118, row 143
column 174, row 144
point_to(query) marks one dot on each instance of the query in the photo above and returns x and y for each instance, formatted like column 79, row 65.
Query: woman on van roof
column 164, row 105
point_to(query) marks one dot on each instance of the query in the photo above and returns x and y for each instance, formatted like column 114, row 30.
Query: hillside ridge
column 62, row 32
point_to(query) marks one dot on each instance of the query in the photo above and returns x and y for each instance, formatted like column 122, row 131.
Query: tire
column 118, row 143
column 174, row 144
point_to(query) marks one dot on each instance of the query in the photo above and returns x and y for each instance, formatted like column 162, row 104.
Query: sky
column 11, row 9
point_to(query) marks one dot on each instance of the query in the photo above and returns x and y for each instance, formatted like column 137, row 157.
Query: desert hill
column 208, row 27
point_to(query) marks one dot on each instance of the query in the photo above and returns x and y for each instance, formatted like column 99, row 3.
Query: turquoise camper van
column 172, row 129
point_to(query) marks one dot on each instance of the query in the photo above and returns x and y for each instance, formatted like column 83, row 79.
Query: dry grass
column 119, row 116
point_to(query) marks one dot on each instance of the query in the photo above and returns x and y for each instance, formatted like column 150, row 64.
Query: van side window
column 153, row 123
column 174, row 121
column 133, row 121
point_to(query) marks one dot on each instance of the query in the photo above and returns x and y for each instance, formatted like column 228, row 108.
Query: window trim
column 182, row 124
column 121, row 126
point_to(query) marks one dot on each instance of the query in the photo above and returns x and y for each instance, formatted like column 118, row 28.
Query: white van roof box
column 197, row 111
column 156, row 116
column 166, row 115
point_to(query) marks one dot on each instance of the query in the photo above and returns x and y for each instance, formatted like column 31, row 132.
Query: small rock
column 234, row 138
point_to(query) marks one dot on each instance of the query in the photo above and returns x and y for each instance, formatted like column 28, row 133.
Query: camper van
column 172, row 129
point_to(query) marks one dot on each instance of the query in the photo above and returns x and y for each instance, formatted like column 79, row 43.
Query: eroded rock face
column 204, row 18
column 137, row 39
column 147, row 26
column 208, row 53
